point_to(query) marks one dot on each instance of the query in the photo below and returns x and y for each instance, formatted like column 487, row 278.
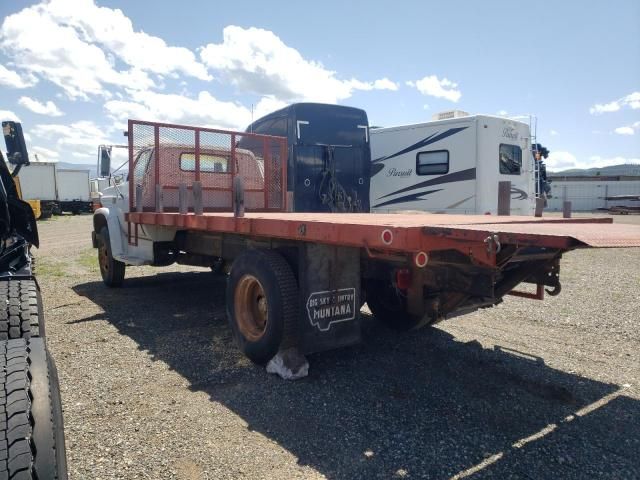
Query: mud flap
column 329, row 282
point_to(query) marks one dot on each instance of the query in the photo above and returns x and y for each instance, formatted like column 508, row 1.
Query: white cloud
column 35, row 106
column 81, row 137
column 45, row 154
column 431, row 85
column 385, row 84
column 114, row 31
column 8, row 115
column 56, row 52
column 264, row 106
column 628, row 129
column 553, row 133
column 502, row 113
column 565, row 160
column 559, row 160
column 624, row 131
column 258, row 61
column 83, row 49
column 632, row 101
column 205, row 110
column 606, row 107
column 12, row 79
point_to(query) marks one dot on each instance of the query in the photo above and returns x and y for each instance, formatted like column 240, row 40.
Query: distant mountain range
column 613, row 170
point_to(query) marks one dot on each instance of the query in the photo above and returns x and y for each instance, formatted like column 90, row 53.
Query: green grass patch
column 49, row 268
column 89, row 259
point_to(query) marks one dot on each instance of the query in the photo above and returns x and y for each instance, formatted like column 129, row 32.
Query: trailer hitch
column 493, row 241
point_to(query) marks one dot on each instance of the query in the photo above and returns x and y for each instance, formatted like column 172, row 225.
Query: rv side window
column 510, row 159
column 432, row 163
column 208, row 163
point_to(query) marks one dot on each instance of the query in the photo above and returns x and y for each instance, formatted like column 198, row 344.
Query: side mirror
column 16, row 148
column 104, row 169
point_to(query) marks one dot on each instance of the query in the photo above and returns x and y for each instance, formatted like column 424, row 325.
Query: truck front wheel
column 262, row 304
column 112, row 270
column 390, row 307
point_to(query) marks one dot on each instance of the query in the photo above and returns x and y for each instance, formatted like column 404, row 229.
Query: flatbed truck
column 299, row 279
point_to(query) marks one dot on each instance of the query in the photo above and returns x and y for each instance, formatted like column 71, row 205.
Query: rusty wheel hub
column 251, row 308
column 103, row 258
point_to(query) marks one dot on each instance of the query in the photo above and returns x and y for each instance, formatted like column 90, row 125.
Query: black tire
column 112, row 270
column 279, row 299
column 31, row 424
column 390, row 308
column 20, row 310
column 46, row 213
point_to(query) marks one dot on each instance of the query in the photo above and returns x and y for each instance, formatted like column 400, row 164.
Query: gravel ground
column 153, row 387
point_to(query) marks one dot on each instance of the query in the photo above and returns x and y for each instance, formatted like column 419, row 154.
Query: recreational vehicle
column 452, row 166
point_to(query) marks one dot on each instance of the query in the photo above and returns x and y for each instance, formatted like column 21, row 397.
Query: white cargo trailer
column 452, row 166
column 73, row 190
column 38, row 182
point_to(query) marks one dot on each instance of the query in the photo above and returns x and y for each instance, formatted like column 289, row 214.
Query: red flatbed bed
column 410, row 233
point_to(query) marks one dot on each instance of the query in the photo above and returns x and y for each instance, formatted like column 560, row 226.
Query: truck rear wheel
column 262, row 304
column 390, row 308
column 31, row 426
column 20, row 310
column 112, row 270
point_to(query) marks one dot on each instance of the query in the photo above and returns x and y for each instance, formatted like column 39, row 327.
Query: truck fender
column 103, row 217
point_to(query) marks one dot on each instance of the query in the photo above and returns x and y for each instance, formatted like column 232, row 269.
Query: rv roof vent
column 449, row 114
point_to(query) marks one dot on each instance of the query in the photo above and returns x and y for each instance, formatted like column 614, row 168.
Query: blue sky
column 73, row 71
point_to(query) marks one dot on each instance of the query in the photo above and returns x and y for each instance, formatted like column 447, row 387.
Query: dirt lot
column 152, row 386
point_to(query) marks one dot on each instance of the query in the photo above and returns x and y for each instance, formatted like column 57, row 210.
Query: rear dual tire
column 262, row 304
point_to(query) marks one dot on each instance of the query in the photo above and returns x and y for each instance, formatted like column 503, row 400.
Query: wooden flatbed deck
column 407, row 233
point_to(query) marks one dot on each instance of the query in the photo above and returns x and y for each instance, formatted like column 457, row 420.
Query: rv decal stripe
column 423, row 143
column 376, row 168
column 457, row 204
column 461, row 176
column 407, row 198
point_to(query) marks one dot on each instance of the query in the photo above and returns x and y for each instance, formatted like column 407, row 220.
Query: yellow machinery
column 35, row 204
